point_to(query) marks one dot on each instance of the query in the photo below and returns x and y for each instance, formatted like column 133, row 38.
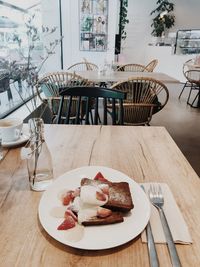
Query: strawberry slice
column 103, row 212
column 67, row 224
column 68, row 197
column 104, row 188
column 99, row 176
column 100, row 196
column 68, row 212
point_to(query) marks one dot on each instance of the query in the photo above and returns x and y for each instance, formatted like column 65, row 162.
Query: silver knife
column 153, row 257
column 1, row 148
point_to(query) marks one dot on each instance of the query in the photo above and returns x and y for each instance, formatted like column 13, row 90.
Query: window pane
column 14, row 45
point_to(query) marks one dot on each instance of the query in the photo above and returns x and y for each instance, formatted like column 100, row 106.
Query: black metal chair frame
column 187, row 83
column 89, row 94
column 194, row 85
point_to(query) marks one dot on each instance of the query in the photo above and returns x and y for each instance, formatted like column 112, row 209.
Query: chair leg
column 192, row 104
column 99, row 118
column 91, row 117
column 189, row 95
column 182, row 90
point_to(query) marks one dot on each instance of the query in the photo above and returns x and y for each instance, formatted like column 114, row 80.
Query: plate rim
column 23, row 138
column 73, row 244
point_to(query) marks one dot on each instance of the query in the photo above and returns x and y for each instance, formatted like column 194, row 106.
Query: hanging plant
column 164, row 19
column 123, row 18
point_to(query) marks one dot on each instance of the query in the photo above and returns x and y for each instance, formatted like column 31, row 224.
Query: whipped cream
column 86, row 205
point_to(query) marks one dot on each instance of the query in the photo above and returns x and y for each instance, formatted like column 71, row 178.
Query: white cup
column 10, row 129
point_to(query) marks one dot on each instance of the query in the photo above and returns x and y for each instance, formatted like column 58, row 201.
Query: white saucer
column 23, row 138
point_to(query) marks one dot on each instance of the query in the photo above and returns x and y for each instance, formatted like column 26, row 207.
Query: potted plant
column 164, row 18
column 122, row 24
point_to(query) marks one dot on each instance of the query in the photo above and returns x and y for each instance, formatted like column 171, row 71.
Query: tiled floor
column 183, row 123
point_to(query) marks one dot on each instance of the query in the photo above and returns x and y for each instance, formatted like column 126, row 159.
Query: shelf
column 190, row 39
column 187, row 45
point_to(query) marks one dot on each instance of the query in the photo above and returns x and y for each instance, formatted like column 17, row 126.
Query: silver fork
column 157, row 199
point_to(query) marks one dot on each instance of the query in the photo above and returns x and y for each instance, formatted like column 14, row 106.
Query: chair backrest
column 151, row 65
column 142, row 99
column 193, row 76
column 52, row 83
column 83, row 66
column 87, row 95
column 188, row 66
column 131, row 67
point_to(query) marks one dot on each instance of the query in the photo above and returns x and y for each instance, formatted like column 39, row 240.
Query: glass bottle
column 39, row 161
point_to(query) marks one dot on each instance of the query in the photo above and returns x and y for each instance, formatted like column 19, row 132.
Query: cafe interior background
column 138, row 47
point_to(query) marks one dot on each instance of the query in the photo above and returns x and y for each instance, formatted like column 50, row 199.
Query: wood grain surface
column 143, row 153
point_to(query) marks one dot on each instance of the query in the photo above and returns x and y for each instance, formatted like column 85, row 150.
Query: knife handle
column 171, row 246
column 153, row 257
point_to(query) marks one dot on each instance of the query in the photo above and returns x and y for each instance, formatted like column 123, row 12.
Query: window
column 14, row 51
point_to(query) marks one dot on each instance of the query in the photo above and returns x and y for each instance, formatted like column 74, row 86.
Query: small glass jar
column 39, row 161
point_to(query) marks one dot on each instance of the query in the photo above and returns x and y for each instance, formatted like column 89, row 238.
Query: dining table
column 118, row 76
column 144, row 154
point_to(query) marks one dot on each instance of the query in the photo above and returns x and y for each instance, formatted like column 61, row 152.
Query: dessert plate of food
column 94, row 207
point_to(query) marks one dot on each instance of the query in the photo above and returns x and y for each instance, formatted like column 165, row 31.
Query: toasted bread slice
column 115, row 217
column 119, row 194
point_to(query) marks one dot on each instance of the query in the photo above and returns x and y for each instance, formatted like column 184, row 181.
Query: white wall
column 72, row 54
column 135, row 48
column 50, row 17
column 139, row 29
column 70, row 23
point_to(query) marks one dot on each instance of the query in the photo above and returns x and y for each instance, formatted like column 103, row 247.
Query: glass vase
column 39, row 161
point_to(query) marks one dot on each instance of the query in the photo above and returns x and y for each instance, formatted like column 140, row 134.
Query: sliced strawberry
column 104, row 188
column 99, row 176
column 68, row 197
column 100, row 196
column 67, row 224
column 68, row 212
column 77, row 192
column 103, row 213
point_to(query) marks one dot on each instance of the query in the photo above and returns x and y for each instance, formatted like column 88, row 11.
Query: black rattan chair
column 193, row 77
column 88, row 95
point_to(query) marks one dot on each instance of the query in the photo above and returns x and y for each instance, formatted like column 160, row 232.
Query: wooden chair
column 88, row 95
column 142, row 99
column 52, row 83
column 131, row 67
column 193, row 78
column 151, row 66
column 81, row 66
column 186, row 67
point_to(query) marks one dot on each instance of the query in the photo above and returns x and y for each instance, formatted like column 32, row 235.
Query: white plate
column 23, row 138
column 95, row 237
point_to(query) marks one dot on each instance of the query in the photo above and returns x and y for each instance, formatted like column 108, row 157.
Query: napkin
column 177, row 224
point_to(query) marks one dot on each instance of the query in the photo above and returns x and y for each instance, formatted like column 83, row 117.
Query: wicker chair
column 83, row 66
column 131, row 67
column 186, row 67
column 151, row 66
column 193, row 78
column 142, row 99
column 52, row 84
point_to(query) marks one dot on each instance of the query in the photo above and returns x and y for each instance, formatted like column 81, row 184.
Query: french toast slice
column 115, row 217
column 119, row 198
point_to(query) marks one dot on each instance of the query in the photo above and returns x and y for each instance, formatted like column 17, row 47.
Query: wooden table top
column 143, row 153
column 117, row 76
